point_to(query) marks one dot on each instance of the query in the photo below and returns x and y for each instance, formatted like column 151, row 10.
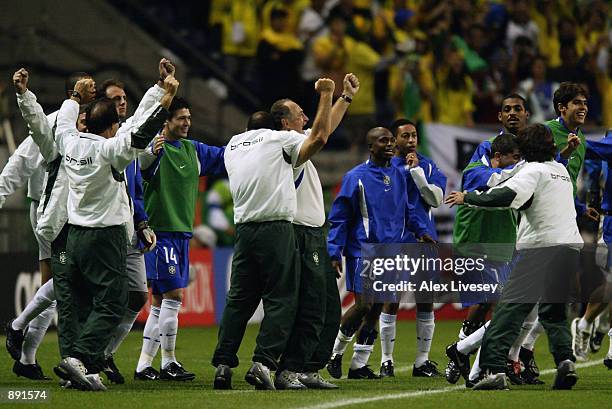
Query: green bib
column 170, row 196
column 575, row 162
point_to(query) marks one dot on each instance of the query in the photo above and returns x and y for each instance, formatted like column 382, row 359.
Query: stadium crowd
column 449, row 62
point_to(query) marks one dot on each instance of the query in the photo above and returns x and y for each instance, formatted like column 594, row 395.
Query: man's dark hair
column 536, row 143
column 280, row 110
column 101, row 114
column 111, row 82
column 336, row 14
column 566, row 92
column 505, row 143
column 515, row 96
column 72, row 79
column 278, row 13
column 260, row 120
column 400, row 122
column 176, row 104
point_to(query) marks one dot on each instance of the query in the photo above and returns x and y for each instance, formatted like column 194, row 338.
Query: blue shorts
column 354, row 269
column 493, row 273
column 607, row 229
column 168, row 264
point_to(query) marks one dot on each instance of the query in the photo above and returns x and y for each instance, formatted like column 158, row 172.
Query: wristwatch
column 346, row 98
column 75, row 94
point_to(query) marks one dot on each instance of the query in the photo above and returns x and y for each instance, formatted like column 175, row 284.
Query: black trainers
column 566, row 376
column 287, row 380
column 362, row 373
column 223, row 377
column 147, row 374
column 513, row 372
column 61, row 373
column 174, row 371
column 387, row 370
column 259, row 376
column 14, row 340
column 595, row 341
column 428, row 370
column 334, row 366
column 608, row 362
column 469, row 327
column 531, row 372
column 112, row 372
column 32, row 371
column 451, row 373
column 461, row 361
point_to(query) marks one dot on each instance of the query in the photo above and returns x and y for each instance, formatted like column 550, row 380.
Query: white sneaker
column 96, row 382
column 312, row 380
column 76, row 371
column 580, row 341
column 496, row 381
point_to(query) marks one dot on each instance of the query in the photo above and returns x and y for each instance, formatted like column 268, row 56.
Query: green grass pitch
column 195, row 347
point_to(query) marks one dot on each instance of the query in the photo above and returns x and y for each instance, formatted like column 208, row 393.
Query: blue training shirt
column 371, row 207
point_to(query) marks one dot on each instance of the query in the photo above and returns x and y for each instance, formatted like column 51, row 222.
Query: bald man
column 371, row 207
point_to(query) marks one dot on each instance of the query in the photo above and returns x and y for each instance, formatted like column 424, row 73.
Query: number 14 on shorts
column 170, row 255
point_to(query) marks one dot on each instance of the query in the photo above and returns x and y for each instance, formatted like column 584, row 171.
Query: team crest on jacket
column 315, row 257
column 387, row 180
column 172, row 269
column 62, row 257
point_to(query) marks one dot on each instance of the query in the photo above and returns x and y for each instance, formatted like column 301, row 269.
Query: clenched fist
column 86, row 87
column 166, row 68
column 20, row 80
column 324, row 85
column 351, row 85
column 171, row 85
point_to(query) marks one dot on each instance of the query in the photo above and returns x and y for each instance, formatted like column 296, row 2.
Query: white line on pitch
column 403, row 395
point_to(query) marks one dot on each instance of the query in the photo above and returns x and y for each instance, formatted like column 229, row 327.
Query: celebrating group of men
column 114, row 212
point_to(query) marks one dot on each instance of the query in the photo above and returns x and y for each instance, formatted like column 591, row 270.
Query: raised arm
column 351, row 88
column 124, row 148
column 152, row 96
column 34, row 116
column 321, row 128
column 84, row 92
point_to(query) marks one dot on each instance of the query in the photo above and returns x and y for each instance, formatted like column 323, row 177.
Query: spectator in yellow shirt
column 454, row 91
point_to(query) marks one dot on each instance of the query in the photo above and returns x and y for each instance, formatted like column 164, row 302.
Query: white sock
column 533, row 335
column 35, row 334
column 168, row 327
column 361, row 355
column 425, row 327
column 341, row 343
column 473, row 341
column 121, row 331
column 461, row 335
column 150, row 340
column 584, row 326
column 610, row 347
column 387, row 336
column 604, row 322
column 40, row 302
column 529, row 322
column 475, row 370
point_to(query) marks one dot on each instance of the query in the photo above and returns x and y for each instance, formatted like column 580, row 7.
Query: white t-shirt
column 260, row 176
column 550, row 218
column 310, row 205
column 97, row 195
